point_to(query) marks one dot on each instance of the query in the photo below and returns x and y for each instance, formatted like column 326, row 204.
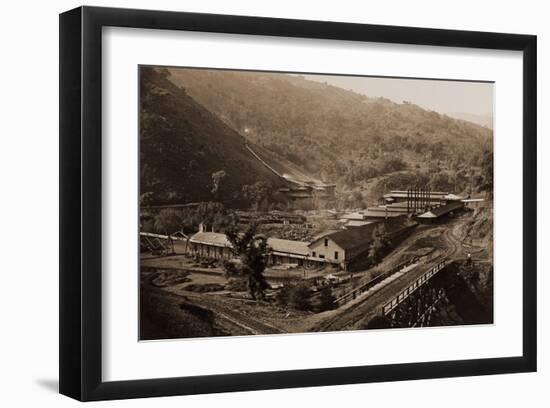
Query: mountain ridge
column 342, row 136
column 183, row 146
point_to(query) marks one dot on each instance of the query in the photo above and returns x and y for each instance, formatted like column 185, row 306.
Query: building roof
column 358, row 223
column 404, row 193
column 323, row 234
column 358, row 215
column 286, row 246
column 441, row 210
column 453, row 197
column 353, row 237
column 283, row 246
column 211, row 238
column 472, row 200
column 380, row 212
column 433, row 195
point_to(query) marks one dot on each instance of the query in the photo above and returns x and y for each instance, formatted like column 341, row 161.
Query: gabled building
column 438, row 213
column 210, row 245
column 215, row 245
column 342, row 246
column 339, row 247
column 345, row 246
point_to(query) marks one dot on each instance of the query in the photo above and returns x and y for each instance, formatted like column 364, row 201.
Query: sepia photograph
column 274, row 203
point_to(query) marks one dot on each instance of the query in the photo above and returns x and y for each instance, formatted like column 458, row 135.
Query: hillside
column 341, row 136
column 183, row 145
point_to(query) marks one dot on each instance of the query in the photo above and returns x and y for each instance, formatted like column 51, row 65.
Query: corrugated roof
column 441, row 210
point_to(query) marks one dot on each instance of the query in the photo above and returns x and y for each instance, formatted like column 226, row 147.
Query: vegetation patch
column 164, row 316
column 203, row 288
column 162, row 279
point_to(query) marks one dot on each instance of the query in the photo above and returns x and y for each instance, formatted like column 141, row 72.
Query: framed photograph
column 250, row 203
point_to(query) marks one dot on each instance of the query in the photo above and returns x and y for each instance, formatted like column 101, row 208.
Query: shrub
column 326, row 300
column 296, row 296
column 236, row 285
column 206, row 287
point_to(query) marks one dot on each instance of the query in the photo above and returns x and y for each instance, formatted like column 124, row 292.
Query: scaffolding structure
column 418, row 200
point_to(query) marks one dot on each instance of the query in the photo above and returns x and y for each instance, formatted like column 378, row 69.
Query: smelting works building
column 336, row 247
column 215, row 245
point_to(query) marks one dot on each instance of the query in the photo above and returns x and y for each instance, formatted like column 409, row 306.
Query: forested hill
column 341, row 136
column 187, row 154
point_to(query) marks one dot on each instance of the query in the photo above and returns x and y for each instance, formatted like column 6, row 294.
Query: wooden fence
column 392, row 304
column 352, row 294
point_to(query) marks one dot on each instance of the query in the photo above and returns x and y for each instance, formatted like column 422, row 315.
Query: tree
column 256, row 193
column 146, row 198
column 487, row 171
column 217, row 177
column 357, row 200
column 212, row 214
column 296, row 296
column 379, row 243
column 326, row 299
column 168, row 221
column 252, row 250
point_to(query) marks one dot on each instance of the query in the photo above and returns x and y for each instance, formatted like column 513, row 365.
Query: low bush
column 325, row 300
column 202, row 288
column 297, row 296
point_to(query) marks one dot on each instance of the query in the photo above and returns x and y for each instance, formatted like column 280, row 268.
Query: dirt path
column 226, row 311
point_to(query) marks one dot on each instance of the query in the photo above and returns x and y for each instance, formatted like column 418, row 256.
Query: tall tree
column 217, row 178
column 168, row 221
column 379, row 243
column 252, row 250
column 256, row 193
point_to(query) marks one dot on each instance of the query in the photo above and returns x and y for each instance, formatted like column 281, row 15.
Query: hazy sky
column 449, row 97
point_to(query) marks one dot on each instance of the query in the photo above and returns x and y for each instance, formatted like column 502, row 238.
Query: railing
column 367, row 285
column 392, row 304
column 174, row 237
column 427, row 311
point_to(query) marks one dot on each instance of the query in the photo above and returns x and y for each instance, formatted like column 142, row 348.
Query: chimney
column 201, row 227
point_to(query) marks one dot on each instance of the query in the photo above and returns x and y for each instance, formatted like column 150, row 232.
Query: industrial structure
column 339, row 248
column 301, row 190
column 336, row 247
column 421, row 203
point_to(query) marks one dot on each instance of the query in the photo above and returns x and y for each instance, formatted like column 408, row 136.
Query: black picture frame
column 80, row 202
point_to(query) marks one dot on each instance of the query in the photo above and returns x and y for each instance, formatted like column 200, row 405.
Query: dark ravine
column 462, row 294
column 167, row 316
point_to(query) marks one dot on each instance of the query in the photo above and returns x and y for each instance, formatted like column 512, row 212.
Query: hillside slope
column 182, row 145
column 339, row 135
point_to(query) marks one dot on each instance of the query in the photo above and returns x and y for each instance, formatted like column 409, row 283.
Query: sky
column 448, row 97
